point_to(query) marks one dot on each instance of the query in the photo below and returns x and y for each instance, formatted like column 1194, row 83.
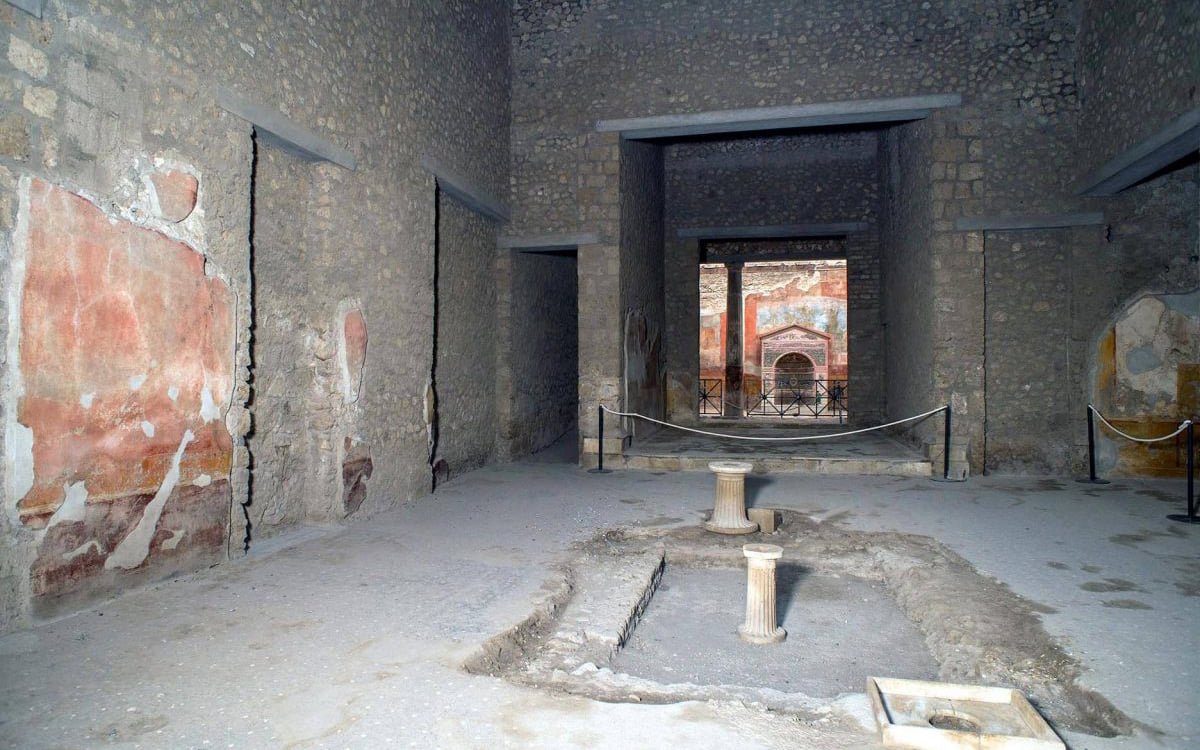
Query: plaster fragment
column 202, row 481
column 20, row 456
column 85, row 400
column 69, row 556
column 172, row 392
column 173, row 541
column 73, row 507
column 135, row 381
column 134, row 548
column 147, row 429
column 208, row 407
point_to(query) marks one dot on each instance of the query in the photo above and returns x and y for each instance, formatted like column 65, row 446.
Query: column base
column 748, row 528
column 762, row 640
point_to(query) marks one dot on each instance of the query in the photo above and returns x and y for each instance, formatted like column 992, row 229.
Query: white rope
column 778, row 439
column 1182, row 426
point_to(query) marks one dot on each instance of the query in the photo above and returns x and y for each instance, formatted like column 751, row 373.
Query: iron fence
column 786, row 397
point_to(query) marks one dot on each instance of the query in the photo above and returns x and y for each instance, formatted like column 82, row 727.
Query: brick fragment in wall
column 357, row 468
column 174, row 194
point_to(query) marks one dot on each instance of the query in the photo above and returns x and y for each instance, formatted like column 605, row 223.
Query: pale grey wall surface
column 465, row 365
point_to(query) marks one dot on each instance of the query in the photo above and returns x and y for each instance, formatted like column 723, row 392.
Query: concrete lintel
column 775, row 231
column 1022, row 223
column 32, row 7
column 469, row 193
column 769, row 257
column 548, row 242
column 853, row 112
column 1170, row 144
column 276, row 127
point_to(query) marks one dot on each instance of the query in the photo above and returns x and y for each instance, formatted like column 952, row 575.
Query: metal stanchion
column 945, row 477
column 1091, row 479
column 1191, row 516
column 600, row 449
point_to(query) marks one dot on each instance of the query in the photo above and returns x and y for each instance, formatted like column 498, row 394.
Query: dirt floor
column 358, row 637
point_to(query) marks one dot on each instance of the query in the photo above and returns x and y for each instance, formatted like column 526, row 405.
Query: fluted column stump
column 729, row 512
column 760, row 626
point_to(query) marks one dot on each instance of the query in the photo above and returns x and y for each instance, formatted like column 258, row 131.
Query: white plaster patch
column 86, row 399
column 134, row 548
column 208, row 407
column 147, row 429
column 202, row 481
column 73, row 506
column 136, row 381
column 20, row 458
column 69, row 556
column 18, row 439
column 173, row 541
column 172, row 392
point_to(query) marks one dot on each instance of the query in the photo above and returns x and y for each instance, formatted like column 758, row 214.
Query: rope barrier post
column 1191, row 516
column 1091, row 451
column 947, row 423
column 946, row 454
column 600, row 445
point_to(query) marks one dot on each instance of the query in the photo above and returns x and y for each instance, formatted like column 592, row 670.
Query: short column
column 760, row 626
column 729, row 512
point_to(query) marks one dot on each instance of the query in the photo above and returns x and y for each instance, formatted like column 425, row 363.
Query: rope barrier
column 1182, row 426
column 776, row 439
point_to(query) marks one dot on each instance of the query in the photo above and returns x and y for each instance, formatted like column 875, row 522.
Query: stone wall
column 539, row 339
column 1140, row 65
column 465, row 341
column 111, row 115
column 642, row 311
column 907, row 273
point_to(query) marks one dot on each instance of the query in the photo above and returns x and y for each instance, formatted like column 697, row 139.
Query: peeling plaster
column 85, row 400
column 147, row 429
column 202, row 481
column 173, row 541
column 172, row 393
column 73, row 507
column 134, row 548
column 69, row 556
column 208, row 408
column 136, row 381
column 18, row 439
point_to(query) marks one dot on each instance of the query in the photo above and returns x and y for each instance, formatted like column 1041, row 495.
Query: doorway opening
column 773, row 333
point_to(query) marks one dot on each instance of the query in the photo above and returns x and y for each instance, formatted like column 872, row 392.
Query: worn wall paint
column 122, row 372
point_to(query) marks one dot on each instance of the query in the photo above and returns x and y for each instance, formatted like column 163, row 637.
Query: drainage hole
column 955, row 721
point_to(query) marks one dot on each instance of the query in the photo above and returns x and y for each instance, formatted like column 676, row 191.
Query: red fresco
column 121, row 333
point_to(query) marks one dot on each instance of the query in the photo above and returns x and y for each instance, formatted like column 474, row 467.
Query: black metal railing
column 711, row 392
column 786, row 397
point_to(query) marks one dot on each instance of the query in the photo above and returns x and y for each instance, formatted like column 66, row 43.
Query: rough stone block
column 767, row 518
column 27, row 58
column 14, row 137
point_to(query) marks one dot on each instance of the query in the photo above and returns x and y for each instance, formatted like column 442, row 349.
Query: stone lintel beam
column 465, row 190
column 32, row 7
column 275, row 127
column 1026, row 223
column 774, row 231
column 548, row 243
column 1179, row 138
column 823, row 114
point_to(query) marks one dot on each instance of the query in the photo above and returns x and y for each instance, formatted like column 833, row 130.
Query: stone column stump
column 729, row 512
column 760, row 627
